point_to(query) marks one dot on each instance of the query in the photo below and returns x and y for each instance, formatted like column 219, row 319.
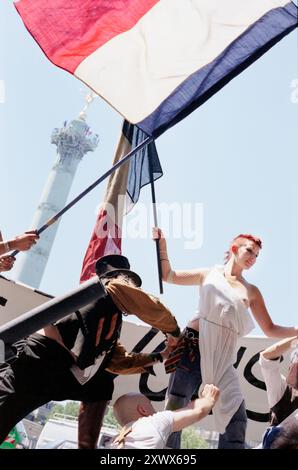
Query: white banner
column 16, row 299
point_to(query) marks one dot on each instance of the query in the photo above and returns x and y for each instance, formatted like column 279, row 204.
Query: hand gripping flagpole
column 123, row 160
column 155, row 221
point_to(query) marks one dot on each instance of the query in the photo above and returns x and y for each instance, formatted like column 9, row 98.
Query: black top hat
column 110, row 265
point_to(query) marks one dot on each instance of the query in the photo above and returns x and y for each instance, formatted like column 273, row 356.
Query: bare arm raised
column 278, row 349
column 197, row 409
column 189, row 277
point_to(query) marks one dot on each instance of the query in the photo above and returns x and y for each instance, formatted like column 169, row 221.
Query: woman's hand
column 157, row 234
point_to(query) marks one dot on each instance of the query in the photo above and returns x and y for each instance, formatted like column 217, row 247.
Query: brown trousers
column 90, row 421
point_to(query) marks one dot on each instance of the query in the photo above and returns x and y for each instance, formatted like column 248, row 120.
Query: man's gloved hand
column 172, row 341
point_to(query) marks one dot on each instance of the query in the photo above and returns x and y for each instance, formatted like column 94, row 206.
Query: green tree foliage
column 109, row 418
column 70, row 408
column 58, row 408
column 192, row 440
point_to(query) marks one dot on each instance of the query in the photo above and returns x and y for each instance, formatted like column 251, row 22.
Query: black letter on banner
column 240, row 353
column 3, row 301
column 260, row 417
column 144, row 389
column 145, row 340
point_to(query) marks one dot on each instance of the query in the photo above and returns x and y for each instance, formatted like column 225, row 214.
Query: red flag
column 122, row 193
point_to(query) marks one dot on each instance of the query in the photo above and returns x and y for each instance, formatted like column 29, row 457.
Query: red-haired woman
column 223, row 317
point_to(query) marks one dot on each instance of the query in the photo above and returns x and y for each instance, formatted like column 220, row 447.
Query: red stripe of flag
column 100, row 244
column 106, row 236
column 84, row 25
column 122, row 193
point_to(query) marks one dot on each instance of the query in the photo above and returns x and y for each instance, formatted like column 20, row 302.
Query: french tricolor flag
column 122, row 193
column 155, row 61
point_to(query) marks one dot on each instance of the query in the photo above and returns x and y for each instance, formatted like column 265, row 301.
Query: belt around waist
column 190, row 333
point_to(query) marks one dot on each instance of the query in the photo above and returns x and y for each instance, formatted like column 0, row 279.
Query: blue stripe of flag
column 139, row 175
column 204, row 83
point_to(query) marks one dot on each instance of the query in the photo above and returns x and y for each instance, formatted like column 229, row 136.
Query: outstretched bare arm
column 197, row 409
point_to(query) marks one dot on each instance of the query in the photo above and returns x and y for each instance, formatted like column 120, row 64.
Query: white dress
column 223, row 317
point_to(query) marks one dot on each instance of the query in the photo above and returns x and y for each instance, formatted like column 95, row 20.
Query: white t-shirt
column 275, row 382
column 151, row 432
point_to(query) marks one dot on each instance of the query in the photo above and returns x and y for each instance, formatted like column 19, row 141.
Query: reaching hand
column 157, row 234
column 172, row 341
column 25, row 241
column 165, row 352
column 6, row 263
column 211, row 392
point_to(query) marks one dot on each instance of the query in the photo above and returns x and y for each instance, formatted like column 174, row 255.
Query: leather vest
column 92, row 331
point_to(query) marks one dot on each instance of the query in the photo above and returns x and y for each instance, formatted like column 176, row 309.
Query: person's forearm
column 277, row 331
column 182, row 277
column 165, row 264
column 5, row 247
column 132, row 363
column 202, row 406
column 195, row 411
column 276, row 350
column 164, row 258
column 8, row 245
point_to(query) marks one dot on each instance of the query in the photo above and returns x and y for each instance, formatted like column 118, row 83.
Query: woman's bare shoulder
column 253, row 291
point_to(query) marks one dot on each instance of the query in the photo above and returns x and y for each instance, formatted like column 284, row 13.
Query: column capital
column 74, row 139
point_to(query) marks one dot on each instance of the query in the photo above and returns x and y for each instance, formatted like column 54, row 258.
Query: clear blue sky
column 236, row 155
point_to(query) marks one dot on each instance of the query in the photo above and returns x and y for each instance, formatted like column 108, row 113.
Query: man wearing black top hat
column 68, row 360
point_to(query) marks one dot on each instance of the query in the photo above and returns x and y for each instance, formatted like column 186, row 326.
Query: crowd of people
column 79, row 356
